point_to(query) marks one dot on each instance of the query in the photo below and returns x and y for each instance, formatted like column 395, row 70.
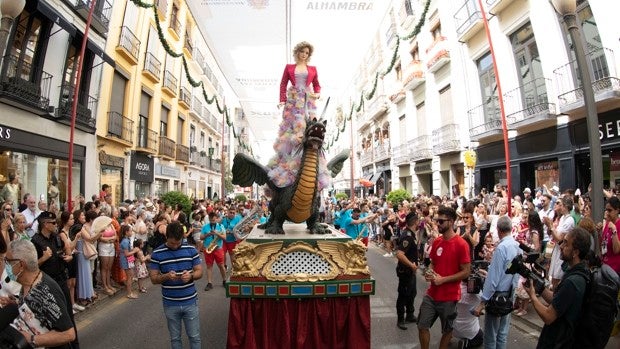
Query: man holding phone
column 175, row 266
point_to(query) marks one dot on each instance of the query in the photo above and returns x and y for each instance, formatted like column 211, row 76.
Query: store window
column 41, row 176
column 547, row 173
column 113, row 176
column 201, row 190
column 191, row 188
column 161, row 186
column 143, row 190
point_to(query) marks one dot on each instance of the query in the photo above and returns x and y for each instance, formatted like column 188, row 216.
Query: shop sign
column 162, row 170
column 141, row 168
column 545, row 166
column 423, row 167
column 111, row 160
column 5, row 132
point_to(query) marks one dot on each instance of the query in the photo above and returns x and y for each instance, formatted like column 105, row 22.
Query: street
column 125, row 323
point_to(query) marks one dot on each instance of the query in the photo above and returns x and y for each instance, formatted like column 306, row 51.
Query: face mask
column 9, row 272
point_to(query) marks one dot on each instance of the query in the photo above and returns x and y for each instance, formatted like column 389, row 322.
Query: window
column 163, row 122
column 415, row 53
column 202, row 141
column 180, row 127
column 488, row 87
column 421, row 117
column 399, row 71
column 436, row 32
column 143, row 125
column 402, row 128
column 533, row 89
column 192, row 136
column 25, row 50
column 445, row 105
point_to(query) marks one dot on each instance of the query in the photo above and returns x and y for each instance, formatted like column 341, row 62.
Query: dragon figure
column 300, row 201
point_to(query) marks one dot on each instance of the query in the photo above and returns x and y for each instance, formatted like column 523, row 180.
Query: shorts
column 196, row 237
column 365, row 241
column 230, row 246
column 106, row 249
column 217, row 256
column 431, row 310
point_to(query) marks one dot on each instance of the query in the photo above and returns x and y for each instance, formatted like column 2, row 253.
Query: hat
column 555, row 188
column 527, row 190
column 46, row 215
column 149, row 205
column 100, row 223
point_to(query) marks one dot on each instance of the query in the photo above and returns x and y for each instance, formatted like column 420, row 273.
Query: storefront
column 165, row 177
column 552, row 156
column 41, row 165
column 141, row 174
column 112, row 170
column 424, row 174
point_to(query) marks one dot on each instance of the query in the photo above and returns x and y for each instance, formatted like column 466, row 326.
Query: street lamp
column 9, row 9
column 567, row 9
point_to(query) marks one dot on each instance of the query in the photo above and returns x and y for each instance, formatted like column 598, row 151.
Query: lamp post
column 568, row 10
column 9, row 9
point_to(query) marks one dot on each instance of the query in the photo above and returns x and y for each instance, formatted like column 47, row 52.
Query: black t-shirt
column 55, row 266
column 44, row 309
column 408, row 244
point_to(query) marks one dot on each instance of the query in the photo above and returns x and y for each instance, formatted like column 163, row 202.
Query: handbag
column 90, row 252
column 500, row 304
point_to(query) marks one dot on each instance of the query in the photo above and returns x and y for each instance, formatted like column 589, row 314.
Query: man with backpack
column 565, row 302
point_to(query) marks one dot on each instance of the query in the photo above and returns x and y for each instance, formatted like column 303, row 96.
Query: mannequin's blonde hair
column 300, row 46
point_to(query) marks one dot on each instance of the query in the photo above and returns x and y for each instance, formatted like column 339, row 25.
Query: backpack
column 599, row 308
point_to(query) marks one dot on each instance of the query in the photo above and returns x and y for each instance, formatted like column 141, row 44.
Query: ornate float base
column 299, row 290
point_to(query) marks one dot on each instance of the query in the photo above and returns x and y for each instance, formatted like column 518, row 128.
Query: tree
column 172, row 198
column 396, row 197
column 241, row 198
column 341, row 196
column 228, row 185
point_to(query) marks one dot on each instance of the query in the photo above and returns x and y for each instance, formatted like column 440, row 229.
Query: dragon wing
column 263, row 251
column 337, row 250
column 335, row 165
column 247, row 171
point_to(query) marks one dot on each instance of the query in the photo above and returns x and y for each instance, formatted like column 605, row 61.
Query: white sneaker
column 78, row 307
column 387, row 255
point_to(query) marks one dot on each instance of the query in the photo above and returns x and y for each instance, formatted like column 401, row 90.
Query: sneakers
column 209, row 287
column 387, row 254
column 77, row 307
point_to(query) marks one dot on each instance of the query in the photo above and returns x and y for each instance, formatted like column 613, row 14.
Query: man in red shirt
column 450, row 264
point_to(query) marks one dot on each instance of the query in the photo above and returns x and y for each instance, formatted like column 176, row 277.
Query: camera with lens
column 532, row 271
column 475, row 281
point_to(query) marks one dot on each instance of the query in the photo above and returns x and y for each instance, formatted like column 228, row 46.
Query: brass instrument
column 213, row 245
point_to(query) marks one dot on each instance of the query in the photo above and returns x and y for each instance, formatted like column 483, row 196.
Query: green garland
column 418, row 26
column 374, row 88
column 393, row 62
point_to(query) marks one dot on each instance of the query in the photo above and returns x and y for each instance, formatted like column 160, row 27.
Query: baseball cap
column 527, row 190
column 555, row 188
column 46, row 216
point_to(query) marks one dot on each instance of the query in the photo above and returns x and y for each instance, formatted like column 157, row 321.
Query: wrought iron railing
column 167, row 147
column 484, row 118
column 170, row 82
column 120, row 126
column 604, row 76
column 366, row 157
column 420, row 148
column 147, row 139
column 85, row 105
column 152, row 65
column 182, row 153
column 400, row 154
column 196, row 106
column 528, row 100
column 466, row 16
column 383, row 151
column 188, row 43
column 446, row 139
column 185, row 96
column 18, row 83
column 199, row 58
column 175, row 24
column 102, row 13
column 129, row 42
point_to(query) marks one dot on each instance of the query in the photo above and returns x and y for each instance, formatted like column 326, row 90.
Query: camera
column 475, row 281
column 533, row 271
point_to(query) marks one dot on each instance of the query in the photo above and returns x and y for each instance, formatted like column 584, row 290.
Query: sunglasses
column 440, row 221
column 51, row 222
column 8, row 209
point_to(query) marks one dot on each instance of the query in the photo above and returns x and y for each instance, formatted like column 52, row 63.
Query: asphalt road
column 123, row 323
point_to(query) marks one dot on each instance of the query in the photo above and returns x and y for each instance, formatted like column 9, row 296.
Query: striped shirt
column 164, row 259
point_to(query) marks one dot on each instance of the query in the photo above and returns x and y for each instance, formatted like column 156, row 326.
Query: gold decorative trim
column 250, row 258
column 350, row 256
column 301, row 277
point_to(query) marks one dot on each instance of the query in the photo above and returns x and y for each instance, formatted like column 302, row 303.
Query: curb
column 102, row 300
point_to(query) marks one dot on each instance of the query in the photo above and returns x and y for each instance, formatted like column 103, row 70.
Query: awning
column 375, row 177
column 49, row 12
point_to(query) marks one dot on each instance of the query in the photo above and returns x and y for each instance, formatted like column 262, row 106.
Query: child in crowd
column 128, row 259
column 140, row 270
column 488, row 248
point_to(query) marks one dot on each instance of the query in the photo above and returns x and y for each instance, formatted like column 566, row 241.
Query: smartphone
column 179, row 273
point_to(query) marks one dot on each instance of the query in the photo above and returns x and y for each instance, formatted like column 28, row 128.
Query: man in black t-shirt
column 407, row 255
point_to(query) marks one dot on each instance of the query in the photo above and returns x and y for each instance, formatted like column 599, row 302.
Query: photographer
column 499, row 288
column 562, row 313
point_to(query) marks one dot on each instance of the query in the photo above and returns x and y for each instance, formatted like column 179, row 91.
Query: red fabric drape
column 299, row 323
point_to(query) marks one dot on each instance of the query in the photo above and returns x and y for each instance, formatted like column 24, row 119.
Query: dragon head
column 315, row 133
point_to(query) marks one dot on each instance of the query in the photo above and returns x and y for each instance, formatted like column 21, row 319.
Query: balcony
column 147, row 141
column 152, row 67
column 496, row 6
column 175, row 27
column 420, row 148
column 485, row 121
column 17, row 89
column 128, row 46
column 366, row 158
column 605, row 82
column 383, row 151
column 188, row 47
column 438, row 53
column 185, row 97
column 468, row 20
column 528, row 105
column 413, row 75
column 198, row 60
column 170, row 84
column 196, row 109
column 376, row 108
column 120, row 128
column 84, row 118
column 167, row 148
column 162, row 7
column 400, row 154
column 101, row 13
column 446, row 139
column 182, row 154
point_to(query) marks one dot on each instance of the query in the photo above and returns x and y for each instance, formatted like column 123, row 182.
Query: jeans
column 496, row 331
column 190, row 316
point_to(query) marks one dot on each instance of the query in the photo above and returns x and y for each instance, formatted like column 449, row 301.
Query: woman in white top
column 562, row 207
